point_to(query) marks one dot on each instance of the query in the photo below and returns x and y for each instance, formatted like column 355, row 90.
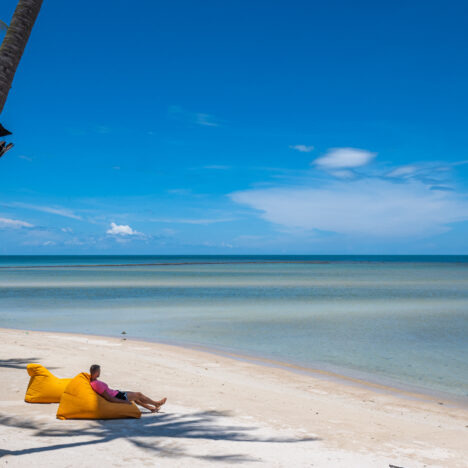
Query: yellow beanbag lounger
column 80, row 401
column 43, row 386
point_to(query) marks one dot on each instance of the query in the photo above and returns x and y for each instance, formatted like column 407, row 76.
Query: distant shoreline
column 246, row 262
column 165, row 264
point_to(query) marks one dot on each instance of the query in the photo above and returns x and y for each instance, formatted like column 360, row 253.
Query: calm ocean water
column 400, row 320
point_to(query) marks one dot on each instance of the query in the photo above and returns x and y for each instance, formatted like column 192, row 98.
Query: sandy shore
column 220, row 411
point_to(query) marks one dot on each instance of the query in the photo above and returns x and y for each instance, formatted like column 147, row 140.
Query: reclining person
column 116, row 396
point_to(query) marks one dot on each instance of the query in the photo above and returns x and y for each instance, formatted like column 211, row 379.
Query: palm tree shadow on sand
column 146, row 434
column 18, row 363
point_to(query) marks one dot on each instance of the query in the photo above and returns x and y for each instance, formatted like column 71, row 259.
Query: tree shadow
column 17, row 363
column 146, row 434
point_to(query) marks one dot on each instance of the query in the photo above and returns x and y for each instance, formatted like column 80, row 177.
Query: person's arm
column 113, row 399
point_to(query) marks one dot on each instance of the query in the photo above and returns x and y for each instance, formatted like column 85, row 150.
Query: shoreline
column 360, row 379
column 269, row 415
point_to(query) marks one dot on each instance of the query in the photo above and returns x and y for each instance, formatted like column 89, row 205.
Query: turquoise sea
column 400, row 320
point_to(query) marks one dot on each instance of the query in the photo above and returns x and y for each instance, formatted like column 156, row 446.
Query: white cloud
column 122, row 230
column 343, row 158
column 366, row 207
column 302, row 148
column 14, row 223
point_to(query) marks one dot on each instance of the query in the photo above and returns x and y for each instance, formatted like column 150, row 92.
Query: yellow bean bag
column 43, row 386
column 80, row 401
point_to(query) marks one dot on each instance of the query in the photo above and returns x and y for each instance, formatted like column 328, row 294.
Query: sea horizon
column 56, row 259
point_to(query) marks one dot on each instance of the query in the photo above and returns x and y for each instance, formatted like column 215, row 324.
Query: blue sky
column 238, row 127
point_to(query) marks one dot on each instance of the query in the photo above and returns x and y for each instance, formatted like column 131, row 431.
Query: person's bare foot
column 160, row 403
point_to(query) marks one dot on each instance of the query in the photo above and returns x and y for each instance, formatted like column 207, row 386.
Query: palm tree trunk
column 14, row 43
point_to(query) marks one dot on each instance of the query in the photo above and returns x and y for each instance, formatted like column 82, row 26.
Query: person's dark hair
column 94, row 368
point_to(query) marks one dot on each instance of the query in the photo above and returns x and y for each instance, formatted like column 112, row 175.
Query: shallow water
column 402, row 319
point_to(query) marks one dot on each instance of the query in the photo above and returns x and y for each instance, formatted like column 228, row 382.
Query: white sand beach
column 221, row 411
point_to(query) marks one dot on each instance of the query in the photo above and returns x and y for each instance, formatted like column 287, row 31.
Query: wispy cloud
column 441, row 188
column 181, row 191
column 302, row 148
column 206, row 119
column 192, row 220
column 197, row 118
column 26, row 158
column 89, row 129
column 365, row 207
column 403, row 171
column 122, row 230
column 14, row 223
column 343, row 174
column 217, row 167
column 45, row 209
column 221, row 244
column 102, row 129
column 434, row 173
column 344, row 158
column 460, row 163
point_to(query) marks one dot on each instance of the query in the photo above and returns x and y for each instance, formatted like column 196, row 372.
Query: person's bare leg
column 152, row 402
column 133, row 396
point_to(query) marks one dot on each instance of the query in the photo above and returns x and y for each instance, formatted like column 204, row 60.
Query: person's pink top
column 101, row 387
